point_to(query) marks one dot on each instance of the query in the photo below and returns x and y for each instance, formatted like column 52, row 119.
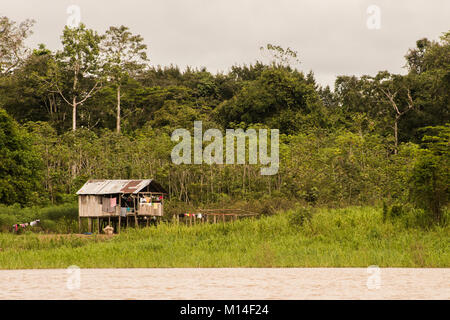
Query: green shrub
column 6, row 222
column 385, row 211
column 57, row 212
column 430, row 178
column 396, row 211
column 300, row 216
column 410, row 216
column 311, row 195
column 48, row 225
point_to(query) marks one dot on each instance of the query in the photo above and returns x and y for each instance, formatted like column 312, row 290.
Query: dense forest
column 99, row 109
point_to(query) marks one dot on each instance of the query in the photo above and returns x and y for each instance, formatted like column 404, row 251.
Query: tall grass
column 351, row 237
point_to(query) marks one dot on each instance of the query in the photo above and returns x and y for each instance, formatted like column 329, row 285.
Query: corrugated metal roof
column 117, row 186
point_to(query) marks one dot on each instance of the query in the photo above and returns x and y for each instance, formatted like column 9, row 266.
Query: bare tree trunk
column 396, row 134
column 118, row 110
column 74, row 128
column 399, row 114
column 74, row 114
column 74, row 100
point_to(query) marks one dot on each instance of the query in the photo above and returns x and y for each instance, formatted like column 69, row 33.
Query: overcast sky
column 331, row 36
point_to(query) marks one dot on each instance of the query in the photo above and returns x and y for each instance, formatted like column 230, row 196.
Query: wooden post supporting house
column 120, row 214
column 136, row 224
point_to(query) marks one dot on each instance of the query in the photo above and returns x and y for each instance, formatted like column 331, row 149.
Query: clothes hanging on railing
column 107, row 204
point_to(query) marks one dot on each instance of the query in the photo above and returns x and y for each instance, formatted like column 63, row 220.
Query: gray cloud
column 330, row 36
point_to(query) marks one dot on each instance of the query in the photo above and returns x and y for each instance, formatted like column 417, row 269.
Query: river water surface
column 236, row 283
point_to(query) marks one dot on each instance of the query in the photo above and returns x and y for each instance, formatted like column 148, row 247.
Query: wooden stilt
column 79, row 224
column 98, row 225
column 223, row 218
column 136, row 224
column 120, row 213
column 215, row 219
column 89, row 224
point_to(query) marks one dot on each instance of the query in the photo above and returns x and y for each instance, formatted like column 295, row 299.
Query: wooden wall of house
column 90, row 206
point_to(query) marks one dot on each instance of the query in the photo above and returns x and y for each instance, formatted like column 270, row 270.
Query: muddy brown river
column 236, row 283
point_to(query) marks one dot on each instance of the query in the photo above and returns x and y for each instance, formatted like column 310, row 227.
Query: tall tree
column 125, row 56
column 20, row 164
column 280, row 97
column 429, row 55
column 77, row 71
column 430, row 177
column 281, row 57
column 396, row 89
column 429, row 70
column 25, row 96
column 12, row 47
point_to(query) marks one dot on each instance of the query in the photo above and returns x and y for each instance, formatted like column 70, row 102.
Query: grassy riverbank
column 351, row 237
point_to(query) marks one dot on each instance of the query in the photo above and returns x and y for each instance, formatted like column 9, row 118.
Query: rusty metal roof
column 99, row 187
